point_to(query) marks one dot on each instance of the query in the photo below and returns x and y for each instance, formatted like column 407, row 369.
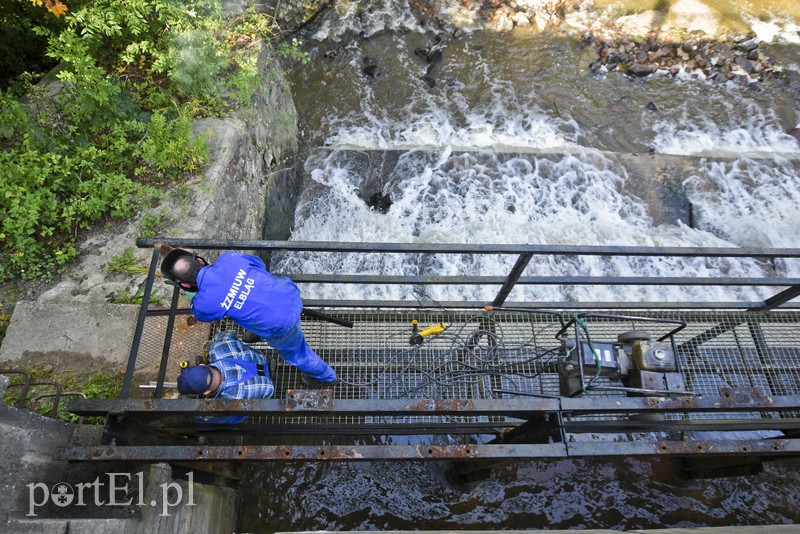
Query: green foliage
column 152, row 224
column 126, row 263
column 291, row 50
column 168, row 149
column 118, row 124
column 97, row 386
column 102, row 386
column 196, row 62
column 123, row 297
column 23, row 29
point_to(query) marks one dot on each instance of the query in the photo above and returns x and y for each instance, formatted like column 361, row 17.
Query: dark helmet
column 169, row 262
column 168, row 267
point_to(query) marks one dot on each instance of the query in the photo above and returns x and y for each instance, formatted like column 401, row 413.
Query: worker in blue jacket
column 238, row 286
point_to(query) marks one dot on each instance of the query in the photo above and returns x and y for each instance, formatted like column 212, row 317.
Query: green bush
column 134, row 75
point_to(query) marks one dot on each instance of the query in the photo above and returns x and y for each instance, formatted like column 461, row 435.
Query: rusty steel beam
column 763, row 447
column 321, row 402
column 730, row 399
column 332, row 453
column 309, row 453
column 693, row 425
column 318, row 402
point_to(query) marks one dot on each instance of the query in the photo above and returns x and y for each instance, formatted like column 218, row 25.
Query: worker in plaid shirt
column 234, row 371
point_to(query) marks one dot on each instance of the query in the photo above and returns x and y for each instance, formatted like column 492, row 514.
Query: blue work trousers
column 292, row 347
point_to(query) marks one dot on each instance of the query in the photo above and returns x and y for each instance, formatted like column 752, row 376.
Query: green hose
column 582, row 323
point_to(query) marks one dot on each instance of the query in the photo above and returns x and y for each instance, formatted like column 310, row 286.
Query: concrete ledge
column 27, row 447
column 66, row 526
column 50, row 332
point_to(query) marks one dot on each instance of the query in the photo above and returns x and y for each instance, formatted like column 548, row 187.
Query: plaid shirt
column 222, row 348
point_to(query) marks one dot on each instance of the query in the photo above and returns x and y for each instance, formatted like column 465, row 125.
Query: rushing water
column 517, row 143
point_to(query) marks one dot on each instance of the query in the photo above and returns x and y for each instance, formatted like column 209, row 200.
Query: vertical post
column 516, row 272
column 137, row 335
column 162, row 370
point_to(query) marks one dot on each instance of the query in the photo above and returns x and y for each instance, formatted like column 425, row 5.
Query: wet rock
column 651, row 106
column 639, row 69
column 380, row 202
column 699, row 58
column 435, row 55
column 748, row 45
column 422, row 52
column 745, row 64
column 725, row 53
column 371, row 70
column 795, row 132
column 429, row 81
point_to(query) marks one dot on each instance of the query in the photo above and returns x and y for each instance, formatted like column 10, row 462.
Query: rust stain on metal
column 758, row 447
column 440, row 405
column 663, row 403
column 683, row 447
column 315, row 400
column 105, row 453
column 233, row 404
column 446, row 451
column 735, row 397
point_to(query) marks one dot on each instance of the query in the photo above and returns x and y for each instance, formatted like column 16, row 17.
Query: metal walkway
column 497, row 384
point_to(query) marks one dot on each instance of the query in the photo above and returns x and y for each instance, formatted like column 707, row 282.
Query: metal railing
column 740, row 360
column 507, row 282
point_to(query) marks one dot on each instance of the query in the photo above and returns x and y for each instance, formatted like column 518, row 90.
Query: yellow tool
column 419, row 336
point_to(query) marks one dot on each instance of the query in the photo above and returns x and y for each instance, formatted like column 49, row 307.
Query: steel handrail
column 524, row 253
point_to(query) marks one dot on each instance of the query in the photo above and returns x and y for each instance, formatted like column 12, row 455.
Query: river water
column 510, row 139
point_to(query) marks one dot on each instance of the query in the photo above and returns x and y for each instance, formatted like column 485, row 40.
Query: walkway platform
column 496, row 384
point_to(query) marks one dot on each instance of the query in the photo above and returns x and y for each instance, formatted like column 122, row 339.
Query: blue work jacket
column 239, row 286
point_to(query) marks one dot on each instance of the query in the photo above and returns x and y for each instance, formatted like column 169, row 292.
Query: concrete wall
column 158, row 504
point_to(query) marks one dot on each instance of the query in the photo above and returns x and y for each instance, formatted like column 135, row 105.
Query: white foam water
column 494, row 168
column 366, row 19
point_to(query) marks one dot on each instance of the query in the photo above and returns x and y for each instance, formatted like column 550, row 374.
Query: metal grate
column 499, row 355
column 485, row 355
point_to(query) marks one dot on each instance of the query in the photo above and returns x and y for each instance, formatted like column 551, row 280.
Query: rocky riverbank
column 743, row 61
column 686, row 39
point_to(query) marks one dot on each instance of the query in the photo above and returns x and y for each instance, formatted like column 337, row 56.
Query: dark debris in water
column 380, row 202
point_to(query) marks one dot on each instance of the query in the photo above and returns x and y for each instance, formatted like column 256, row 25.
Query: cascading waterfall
column 487, row 157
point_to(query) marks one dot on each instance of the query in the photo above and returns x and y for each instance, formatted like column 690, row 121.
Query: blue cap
column 195, row 380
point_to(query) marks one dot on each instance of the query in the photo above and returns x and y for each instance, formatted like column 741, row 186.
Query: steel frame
column 525, row 426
